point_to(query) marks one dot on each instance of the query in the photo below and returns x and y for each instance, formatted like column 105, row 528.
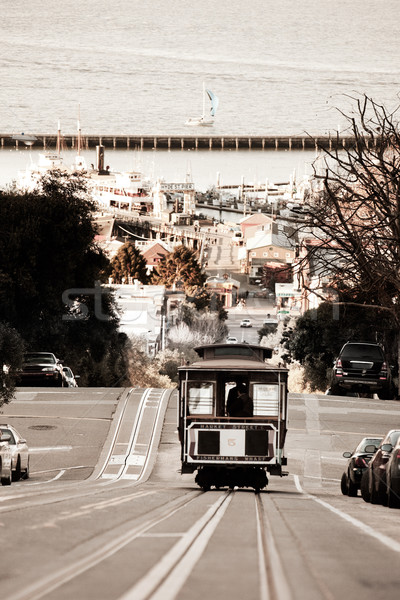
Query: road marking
column 312, row 457
column 87, row 509
column 384, row 539
column 50, row 449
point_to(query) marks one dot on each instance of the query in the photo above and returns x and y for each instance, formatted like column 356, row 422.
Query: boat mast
column 79, row 129
column 204, row 101
column 59, row 138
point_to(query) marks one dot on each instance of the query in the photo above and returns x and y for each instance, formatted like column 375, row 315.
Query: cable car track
column 128, row 456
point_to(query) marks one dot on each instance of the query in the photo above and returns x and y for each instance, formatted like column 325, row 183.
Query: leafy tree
column 129, row 263
column 266, row 329
column 319, row 334
column 46, row 247
column 179, row 266
column 143, row 371
column 49, row 265
column 203, row 299
column 194, row 328
column 11, row 355
column 356, row 215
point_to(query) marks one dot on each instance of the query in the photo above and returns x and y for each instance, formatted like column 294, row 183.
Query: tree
column 203, row 299
column 317, row 337
column 129, row 263
column 356, row 214
column 143, row 371
column 195, row 328
column 179, row 266
column 49, row 266
column 11, row 356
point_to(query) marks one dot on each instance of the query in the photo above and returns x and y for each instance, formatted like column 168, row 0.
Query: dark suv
column 42, row 368
column 361, row 367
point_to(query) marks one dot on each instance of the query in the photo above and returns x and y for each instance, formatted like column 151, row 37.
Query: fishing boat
column 206, row 120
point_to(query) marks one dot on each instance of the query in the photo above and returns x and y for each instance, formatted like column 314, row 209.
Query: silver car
column 19, row 452
column 5, row 459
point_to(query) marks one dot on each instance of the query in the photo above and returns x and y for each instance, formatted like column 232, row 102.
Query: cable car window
column 200, row 397
column 232, row 351
column 265, row 399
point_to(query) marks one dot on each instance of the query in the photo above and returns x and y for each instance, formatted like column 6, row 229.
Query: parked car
column 231, row 340
column 5, row 459
column 362, row 367
column 70, row 377
column 42, row 368
column 19, row 452
column 270, row 320
column 357, row 464
column 393, row 477
column 246, row 323
column 375, row 479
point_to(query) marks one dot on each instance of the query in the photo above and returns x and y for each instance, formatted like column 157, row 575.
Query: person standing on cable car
column 239, row 403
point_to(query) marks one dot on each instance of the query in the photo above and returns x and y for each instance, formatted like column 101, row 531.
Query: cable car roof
column 233, row 357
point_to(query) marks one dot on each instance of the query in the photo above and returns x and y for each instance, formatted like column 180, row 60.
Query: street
column 105, row 515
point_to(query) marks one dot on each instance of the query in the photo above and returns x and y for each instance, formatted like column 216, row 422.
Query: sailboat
column 205, row 120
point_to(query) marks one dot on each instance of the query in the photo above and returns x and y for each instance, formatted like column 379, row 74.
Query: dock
column 181, row 142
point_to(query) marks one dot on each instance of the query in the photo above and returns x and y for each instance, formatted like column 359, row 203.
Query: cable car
column 227, row 440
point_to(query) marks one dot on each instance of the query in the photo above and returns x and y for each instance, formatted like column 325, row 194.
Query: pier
column 182, row 142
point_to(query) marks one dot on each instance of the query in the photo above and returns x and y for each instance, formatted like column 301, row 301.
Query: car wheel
column 344, row 484
column 351, row 488
column 386, row 394
column 393, row 500
column 6, row 480
column 365, row 487
column 25, row 474
column 17, row 473
column 336, row 391
column 374, row 495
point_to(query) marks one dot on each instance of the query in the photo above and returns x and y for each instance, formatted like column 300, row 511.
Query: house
column 256, row 222
column 153, row 253
column 276, row 244
column 141, row 312
column 226, row 288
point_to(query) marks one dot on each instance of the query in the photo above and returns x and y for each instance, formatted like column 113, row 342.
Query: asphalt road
column 105, row 515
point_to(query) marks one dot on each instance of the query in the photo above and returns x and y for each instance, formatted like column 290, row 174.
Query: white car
column 70, row 377
column 246, row 323
column 231, row 340
column 19, row 452
column 5, row 459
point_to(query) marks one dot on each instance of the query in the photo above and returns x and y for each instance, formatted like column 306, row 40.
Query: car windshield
column 362, row 352
column 394, row 437
column 39, row 358
column 367, row 442
column 10, row 433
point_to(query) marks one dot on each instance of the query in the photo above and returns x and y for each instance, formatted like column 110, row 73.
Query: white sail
column 206, row 120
